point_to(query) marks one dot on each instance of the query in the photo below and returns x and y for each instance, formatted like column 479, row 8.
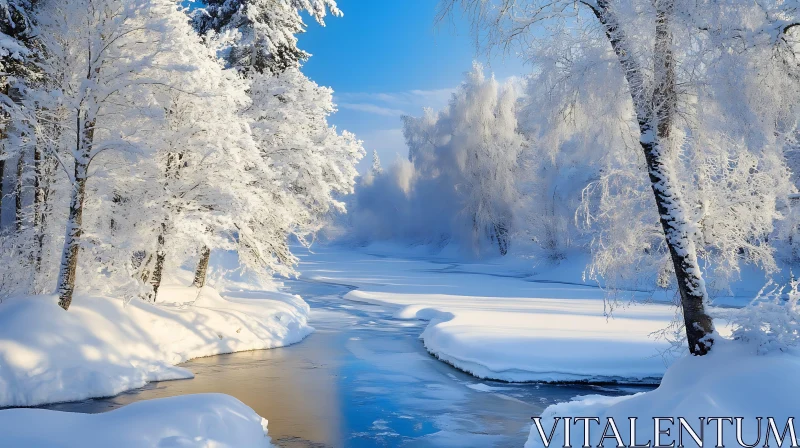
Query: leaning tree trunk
column 69, row 256
column 671, row 209
column 655, row 116
column 202, row 267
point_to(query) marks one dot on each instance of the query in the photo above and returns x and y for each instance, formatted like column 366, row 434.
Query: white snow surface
column 731, row 381
column 495, row 321
column 103, row 346
column 202, row 420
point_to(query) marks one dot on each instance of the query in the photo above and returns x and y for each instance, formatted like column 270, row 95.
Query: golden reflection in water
column 289, row 387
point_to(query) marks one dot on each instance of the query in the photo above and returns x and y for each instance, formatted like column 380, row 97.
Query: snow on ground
column 731, row 381
column 203, row 420
column 498, row 322
column 103, row 346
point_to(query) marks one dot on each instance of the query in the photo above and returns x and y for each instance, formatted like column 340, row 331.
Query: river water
column 362, row 379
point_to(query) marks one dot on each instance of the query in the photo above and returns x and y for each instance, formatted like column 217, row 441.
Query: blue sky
column 387, row 58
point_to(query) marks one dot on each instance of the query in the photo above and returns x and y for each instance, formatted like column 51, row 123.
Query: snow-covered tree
column 664, row 54
column 19, row 52
column 460, row 183
column 266, row 40
column 109, row 61
column 305, row 163
column 313, row 162
column 376, row 169
column 152, row 151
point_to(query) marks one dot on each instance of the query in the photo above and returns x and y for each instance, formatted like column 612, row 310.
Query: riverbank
column 497, row 320
column 104, row 346
column 205, row 420
column 362, row 380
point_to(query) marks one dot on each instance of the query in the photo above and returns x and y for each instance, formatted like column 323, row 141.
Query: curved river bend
column 362, row 379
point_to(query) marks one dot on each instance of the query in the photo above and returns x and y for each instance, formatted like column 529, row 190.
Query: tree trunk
column 2, row 178
column 202, row 267
column 141, row 262
column 69, row 256
column 5, row 121
column 18, row 218
column 158, row 270
column 671, row 209
column 655, row 116
column 38, row 206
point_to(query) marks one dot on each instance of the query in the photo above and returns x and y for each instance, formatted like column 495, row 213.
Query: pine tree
column 268, row 30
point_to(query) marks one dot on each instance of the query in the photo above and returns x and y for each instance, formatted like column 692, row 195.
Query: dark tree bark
column 3, row 135
column 18, row 218
column 202, row 267
column 655, row 116
column 2, row 192
column 69, row 258
column 38, row 205
column 671, row 208
column 141, row 261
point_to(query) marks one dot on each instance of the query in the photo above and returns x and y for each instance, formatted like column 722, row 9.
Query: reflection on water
column 362, row 379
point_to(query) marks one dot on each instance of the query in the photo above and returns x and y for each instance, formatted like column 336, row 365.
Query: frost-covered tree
column 305, row 163
column 19, row 52
column 660, row 51
column 152, row 151
column 376, row 169
column 197, row 176
column 108, row 60
column 313, row 162
column 460, row 183
column 266, row 30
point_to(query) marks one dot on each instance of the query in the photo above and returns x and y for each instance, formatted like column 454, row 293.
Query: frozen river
column 362, row 379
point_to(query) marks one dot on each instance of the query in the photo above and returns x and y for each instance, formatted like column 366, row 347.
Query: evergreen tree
column 267, row 30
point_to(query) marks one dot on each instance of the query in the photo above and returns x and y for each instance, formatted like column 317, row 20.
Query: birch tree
column 642, row 39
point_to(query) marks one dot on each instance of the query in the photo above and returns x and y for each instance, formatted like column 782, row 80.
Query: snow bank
column 102, row 347
column 731, row 381
column 538, row 339
column 498, row 323
column 204, row 420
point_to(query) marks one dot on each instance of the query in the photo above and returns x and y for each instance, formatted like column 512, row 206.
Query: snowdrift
column 539, row 339
column 102, row 346
column 731, row 381
column 203, row 420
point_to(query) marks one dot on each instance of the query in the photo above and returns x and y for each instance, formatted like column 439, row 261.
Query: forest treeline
column 139, row 136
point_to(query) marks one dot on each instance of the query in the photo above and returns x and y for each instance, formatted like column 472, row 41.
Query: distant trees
column 460, row 182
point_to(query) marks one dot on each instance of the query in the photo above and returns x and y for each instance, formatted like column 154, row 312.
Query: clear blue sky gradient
column 386, row 58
